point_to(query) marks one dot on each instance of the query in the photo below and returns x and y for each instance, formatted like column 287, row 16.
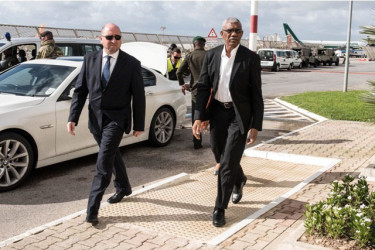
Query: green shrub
column 349, row 211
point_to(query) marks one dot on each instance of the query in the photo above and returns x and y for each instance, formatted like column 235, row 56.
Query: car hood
column 151, row 55
column 13, row 102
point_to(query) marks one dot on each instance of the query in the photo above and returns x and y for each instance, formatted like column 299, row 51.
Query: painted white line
column 235, row 228
column 284, row 135
column 293, row 158
column 170, row 180
column 300, row 110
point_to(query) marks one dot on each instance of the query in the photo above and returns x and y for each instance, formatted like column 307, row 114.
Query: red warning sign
column 212, row 33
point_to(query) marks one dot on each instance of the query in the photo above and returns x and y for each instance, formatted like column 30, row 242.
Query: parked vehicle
column 69, row 46
column 274, row 59
column 304, row 54
column 35, row 99
column 294, row 59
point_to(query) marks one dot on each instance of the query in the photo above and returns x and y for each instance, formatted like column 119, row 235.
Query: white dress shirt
column 226, row 66
column 112, row 61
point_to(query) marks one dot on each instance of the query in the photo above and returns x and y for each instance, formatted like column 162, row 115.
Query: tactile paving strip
column 185, row 209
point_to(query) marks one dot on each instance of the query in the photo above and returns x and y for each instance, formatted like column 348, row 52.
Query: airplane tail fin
column 289, row 31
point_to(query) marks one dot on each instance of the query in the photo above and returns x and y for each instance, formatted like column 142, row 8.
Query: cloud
column 310, row 20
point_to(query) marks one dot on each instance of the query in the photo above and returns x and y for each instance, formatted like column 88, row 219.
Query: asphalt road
column 323, row 78
column 62, row 189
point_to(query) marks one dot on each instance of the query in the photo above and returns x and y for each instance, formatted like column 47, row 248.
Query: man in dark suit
column 113, row 81
column 230, row 97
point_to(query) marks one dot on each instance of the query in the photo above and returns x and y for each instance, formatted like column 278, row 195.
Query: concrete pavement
column 284, row 174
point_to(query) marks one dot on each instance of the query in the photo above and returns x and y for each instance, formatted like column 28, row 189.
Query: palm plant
column 370, row 96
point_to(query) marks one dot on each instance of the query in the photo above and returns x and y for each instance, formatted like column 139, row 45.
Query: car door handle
column 149, row 93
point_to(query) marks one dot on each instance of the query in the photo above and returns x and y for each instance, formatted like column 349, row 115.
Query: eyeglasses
column 237, row 31
column 110, row 38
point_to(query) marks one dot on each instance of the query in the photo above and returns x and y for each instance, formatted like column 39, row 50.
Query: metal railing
column 184, row 42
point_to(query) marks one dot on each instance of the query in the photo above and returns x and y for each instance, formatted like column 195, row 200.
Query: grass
column 335, row 105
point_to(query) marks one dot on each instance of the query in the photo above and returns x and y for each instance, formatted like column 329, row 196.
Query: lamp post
column 345, row 87
column 162, row 28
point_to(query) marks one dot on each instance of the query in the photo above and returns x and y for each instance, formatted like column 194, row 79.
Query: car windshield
column 266, row 54
column 33, row 79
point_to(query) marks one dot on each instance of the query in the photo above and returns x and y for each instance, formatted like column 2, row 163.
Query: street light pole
column 345, row 88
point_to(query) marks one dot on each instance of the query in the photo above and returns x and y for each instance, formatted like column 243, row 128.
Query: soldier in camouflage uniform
column 48, row 48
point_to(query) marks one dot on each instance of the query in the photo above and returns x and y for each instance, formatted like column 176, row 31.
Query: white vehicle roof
column 54, row 62
column 151, row 55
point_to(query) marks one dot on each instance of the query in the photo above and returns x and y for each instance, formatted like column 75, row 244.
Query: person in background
column 173, row 63
column 230, row 97
column 9, row 59
column 170, row 49
column 193, row 62
column 48, row 48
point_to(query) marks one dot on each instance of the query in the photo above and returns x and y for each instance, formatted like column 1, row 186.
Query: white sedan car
column 35, row 100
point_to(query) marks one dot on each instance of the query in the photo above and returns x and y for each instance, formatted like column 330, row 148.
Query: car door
column 66, row 143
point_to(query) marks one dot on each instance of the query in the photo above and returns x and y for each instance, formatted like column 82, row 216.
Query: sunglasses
column 110, row 38
column 177, row 57
column 237, row 31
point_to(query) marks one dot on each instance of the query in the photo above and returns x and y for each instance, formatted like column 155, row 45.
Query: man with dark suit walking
column 230, row 97
column 114, row 83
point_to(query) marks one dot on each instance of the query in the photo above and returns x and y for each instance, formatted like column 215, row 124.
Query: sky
column 310, row 20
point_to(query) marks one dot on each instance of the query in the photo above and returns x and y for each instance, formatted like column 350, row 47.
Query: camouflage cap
column 199, row 38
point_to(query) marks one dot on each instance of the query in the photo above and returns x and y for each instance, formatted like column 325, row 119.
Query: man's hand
column 71, row 126
column 197, row 126
column 137, row 133
column 251, row 136
column 185, row 87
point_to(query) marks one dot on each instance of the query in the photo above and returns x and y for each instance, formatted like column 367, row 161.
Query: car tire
column 337, row 62
column 290, row 67
column 162, row 127
column 16, row 160
column 300, row 66
column 277, row 68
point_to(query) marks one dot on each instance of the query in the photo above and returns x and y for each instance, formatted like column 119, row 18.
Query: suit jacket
column 125, row 87
column 244, row 86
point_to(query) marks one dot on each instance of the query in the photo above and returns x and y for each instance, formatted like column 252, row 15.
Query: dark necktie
column 106, row 72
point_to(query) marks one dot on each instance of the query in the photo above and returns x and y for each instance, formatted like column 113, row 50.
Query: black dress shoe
column 197, row 146
column 218, row 218
column 93, row 220
column 238, row 191
column 118, row 196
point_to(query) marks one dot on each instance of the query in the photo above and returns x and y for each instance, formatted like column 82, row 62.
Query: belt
column 226, row 105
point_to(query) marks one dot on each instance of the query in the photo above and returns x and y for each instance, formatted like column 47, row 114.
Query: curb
column 300, row 110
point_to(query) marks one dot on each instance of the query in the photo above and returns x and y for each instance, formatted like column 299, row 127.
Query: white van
column 294, row 59
column 274, row 59
column 69, row 46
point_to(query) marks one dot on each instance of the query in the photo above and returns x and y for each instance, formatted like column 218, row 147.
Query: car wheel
column 16, row 160
column 300, row 66
column 337, row 62
column 290, row 66
column 277, row 67
column 162, row 127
